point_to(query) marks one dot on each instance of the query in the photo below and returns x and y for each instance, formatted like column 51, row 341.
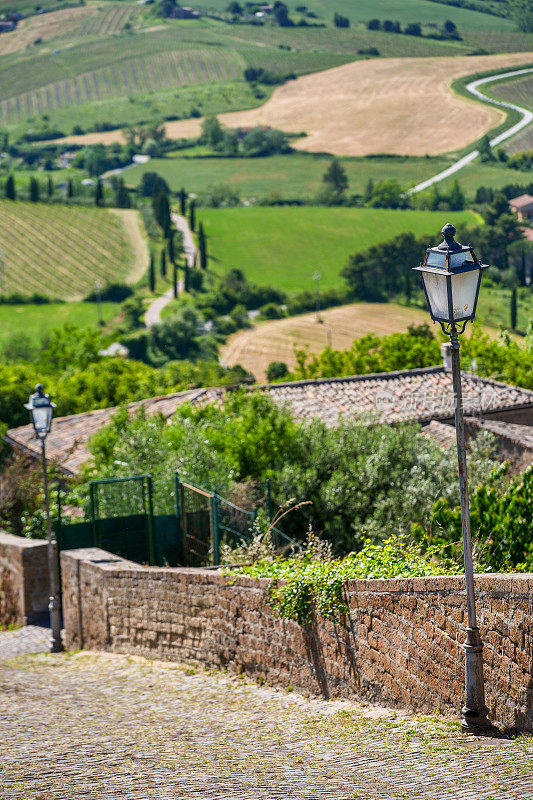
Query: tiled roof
column 441, row 433
column 521, row 435
column 419, row 395
column 521, row 201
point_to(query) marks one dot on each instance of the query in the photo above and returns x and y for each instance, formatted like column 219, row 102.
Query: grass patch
column 283, row 247
column 298, row 175
column 35, row 321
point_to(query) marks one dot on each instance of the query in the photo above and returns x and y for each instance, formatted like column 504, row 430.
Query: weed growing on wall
column 303, row 586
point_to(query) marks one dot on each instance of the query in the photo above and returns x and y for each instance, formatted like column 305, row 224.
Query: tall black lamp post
column 451, row 275
column 41, row 411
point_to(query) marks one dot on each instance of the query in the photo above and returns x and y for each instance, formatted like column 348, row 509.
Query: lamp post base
column 56, row 643
column 474, row 714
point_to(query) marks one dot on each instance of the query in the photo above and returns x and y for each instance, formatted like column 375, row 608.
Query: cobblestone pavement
column 31, row 639
column 88, row 725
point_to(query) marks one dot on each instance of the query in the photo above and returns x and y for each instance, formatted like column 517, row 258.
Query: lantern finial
column 449, row 242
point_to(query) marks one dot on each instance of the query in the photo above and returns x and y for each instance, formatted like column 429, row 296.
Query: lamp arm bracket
column 453, row 330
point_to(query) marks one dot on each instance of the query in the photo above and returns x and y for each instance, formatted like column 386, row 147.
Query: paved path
column 31, row 639
column 104, row 726
column 153, row 312
column 473, row 88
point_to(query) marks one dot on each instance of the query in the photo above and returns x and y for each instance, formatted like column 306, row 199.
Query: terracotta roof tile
column 419, row 395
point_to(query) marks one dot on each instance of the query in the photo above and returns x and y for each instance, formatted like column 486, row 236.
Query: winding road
column 472, row 87
column 153, row 312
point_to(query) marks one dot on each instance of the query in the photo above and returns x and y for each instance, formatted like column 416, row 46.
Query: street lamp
column 451, row 275
column 41, row 411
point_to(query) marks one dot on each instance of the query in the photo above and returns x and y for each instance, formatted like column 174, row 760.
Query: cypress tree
column 202, row 246
column 175, row 279
column 163, row 264
column 192, row 215
column 50, row 187
column 183, row 202
column 122, row 196
column 34, row 190
column 70, row 188
column 170, row 245
column 186, row 282
column 99, row 193
column 514, row 309
column 151, row 275
column 11, row 192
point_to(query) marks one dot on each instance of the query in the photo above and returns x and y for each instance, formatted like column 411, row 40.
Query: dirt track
column 391, row 105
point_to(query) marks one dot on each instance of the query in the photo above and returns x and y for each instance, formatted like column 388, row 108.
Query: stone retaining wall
column 24, row 585
column 401, row 646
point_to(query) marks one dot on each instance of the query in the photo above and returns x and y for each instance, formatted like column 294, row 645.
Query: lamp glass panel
column 42, row 417
column 436, row 259
column 458, row 259
column 464, row 290
column 437, row 292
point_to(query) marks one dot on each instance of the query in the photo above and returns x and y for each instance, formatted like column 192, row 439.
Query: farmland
column 288, row 176
column 60, row 251
column 255, row 348
column 33, row 322
column 256, row 240
column 44, row 27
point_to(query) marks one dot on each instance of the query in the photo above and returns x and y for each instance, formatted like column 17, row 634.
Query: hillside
column 60, row 251
column 284, row 246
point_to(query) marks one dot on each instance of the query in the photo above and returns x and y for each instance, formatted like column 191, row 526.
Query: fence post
column 214, row 530
column 183, row 522
column 268, row 499
column 151, row 539
column 177, row 511
column 96, row 538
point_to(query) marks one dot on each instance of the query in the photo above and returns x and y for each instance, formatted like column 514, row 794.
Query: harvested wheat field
column 403, row 106
column 256, row 347
column 44, row 27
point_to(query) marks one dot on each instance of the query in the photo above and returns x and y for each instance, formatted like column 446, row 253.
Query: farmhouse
column 523, row 207
column 417, row 395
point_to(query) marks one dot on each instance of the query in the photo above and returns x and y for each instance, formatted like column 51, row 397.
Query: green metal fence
column 121, row 519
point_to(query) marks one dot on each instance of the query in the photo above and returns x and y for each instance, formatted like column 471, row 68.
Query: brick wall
column 401, row 645
column 24, row 586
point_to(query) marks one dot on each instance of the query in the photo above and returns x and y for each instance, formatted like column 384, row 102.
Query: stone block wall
column 24, row 585
column 401, row 645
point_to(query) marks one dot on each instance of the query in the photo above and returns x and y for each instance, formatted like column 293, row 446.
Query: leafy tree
column 485, row 150
column 10, row 190
column 373, row 25
column 456, row 196
column 276, row 370
column 212, row 132
column 151, row 274
column 183, row 202
column 450, row 30
column 281, row 14
column 34, row 190
column 202, row 248
column 234, row 8
column 335, row 176
column 152, row 183
column 340, row 22
column 413, row 29
column 522, row 11
column 175, row 337
column 99, row 193
column 387, row 194
column 513, row 309
column 122, row 196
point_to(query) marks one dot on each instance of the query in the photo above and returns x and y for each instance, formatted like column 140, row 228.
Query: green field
column 289, row 176
column 60, row 251
column 413, row 11
column 35, row 321
column 494, row 307
column 283, row 247
column 123, row 65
